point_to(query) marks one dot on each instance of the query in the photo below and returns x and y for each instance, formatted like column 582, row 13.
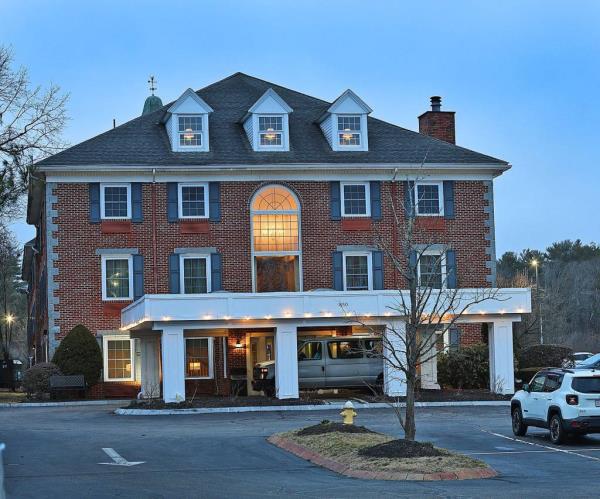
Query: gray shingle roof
column 144, row 141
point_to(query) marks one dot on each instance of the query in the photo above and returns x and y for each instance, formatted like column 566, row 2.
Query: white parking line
column 542, row 451
column 119, row 460
column 555, row 449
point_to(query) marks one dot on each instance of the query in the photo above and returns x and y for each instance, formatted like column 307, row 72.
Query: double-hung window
column 429, row 198
column 190, row 131
column 193, row 200
column 117, row 277
column 356, row 199
column 195, row 274
column 432, row 269
column 349, row 133
column 270, row 131
column 118, row 358
column 357, row 271
column 115, row 201
column 199, row 358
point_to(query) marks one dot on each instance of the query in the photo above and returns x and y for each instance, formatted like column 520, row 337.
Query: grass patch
column 372, row 451
column 7, row 397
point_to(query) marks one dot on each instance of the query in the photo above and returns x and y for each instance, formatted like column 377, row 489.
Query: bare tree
column 429, row 301
column 31, row 122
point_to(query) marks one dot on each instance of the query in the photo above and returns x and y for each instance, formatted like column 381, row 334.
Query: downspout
column 154, row 263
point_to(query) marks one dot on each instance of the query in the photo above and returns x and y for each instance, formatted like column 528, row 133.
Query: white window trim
column 105, row 340
column 285, row 140
column 180, row 200
column 369, row 256
column 338, row 132
column 129, row 259
column 367, row 199
column 211, row 364
column 364, row 136
column 440, row 199
column 102, row 210
column 433, row 252
column 185, row 256
column 175, row 133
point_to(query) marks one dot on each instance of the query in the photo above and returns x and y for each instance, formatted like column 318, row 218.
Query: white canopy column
column 150, row 372
column 502, row 375
column 394, row 354
column 173, row 364
column 286, row 361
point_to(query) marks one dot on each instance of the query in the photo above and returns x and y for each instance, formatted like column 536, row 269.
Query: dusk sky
column 523, row 77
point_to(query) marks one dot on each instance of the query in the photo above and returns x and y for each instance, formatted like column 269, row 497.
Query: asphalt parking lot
column 55, row 452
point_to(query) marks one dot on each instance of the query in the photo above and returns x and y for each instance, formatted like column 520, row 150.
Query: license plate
column 597, row 402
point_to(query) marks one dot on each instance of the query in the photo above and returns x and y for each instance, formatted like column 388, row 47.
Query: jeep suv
column 565, row 401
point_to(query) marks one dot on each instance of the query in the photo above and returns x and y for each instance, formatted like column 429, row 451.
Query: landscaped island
column 359, row 452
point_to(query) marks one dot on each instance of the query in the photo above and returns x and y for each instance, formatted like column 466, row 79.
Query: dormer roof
column 349, row 103
column 189, row 102
column 268, row 103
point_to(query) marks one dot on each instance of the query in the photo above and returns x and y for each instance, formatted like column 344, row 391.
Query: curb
column 324, row 407
column 343, row 469
column 73, row 403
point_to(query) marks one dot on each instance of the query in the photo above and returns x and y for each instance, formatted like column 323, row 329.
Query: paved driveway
column 54, row 452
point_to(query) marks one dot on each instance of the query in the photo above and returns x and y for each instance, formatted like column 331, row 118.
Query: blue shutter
column 138, row 276
column 172, row 204
column 454, row 333
column 412, row 264
column 136, row 202
column 338, row 270
column 215, row 272
column 375, row 200
column 451, row 269
column 94, row 190
column 335, row 201
column 448, row 198
column 214, row 201
column 377, row 261
column 409, row 199
column 174, row 274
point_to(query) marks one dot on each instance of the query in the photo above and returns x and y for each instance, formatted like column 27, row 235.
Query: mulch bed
column 401, row 449
column 221, row 402
column 330, row 427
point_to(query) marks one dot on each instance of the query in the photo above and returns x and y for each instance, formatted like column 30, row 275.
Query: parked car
column 579, row 357
column 566, row 401
column 332, row 362
column 592, row 362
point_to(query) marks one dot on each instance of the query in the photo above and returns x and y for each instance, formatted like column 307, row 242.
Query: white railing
column 224, row 306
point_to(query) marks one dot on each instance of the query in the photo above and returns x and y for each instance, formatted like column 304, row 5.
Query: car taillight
column 572, row 399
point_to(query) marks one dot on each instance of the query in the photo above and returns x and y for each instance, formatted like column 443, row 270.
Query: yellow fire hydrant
column 348, row 413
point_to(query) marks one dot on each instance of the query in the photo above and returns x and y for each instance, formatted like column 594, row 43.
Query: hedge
column 467, row 368
column 79, row 353
column 36, row 380
column 540, row 356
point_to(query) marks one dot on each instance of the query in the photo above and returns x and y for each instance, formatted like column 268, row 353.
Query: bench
column 71, row 382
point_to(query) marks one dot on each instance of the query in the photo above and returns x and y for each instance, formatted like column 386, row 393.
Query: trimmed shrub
column 540, row 356
column 79, row 353
column 467, row 368
column 36, row 380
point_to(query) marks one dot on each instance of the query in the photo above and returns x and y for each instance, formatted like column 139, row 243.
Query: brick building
column 213, row 232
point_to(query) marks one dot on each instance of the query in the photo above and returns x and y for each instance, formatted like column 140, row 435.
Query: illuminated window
column 190, row 131
column 115, row 201
column 117, row 277
column 276, row 239
column 118, row 358
column 270, row 130
column 349, row 130
column 198, row 358
column 357, row 271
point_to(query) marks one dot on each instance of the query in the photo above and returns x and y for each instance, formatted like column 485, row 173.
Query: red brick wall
column 472, row 334
column 79, row 277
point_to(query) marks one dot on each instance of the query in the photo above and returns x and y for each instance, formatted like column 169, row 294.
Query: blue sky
column 523, row 77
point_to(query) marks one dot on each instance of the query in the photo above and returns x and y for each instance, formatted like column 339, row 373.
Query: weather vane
column 152, row 83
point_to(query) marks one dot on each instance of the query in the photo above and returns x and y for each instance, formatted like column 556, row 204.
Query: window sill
column 194, row 227
column 356, row 224
column 115, row 226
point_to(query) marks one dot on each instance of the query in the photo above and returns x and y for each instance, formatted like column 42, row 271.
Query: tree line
column 566, row 298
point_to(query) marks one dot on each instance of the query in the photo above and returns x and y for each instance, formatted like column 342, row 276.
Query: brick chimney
column 437, row 123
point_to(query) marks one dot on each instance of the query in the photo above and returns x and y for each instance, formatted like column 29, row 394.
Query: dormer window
column 270, row 129
column 186, row 123
column 190, row 131
column 349, row 130
column 267, row 123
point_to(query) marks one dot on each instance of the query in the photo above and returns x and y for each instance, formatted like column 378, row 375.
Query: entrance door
column 261, row 349
column 429, row 366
